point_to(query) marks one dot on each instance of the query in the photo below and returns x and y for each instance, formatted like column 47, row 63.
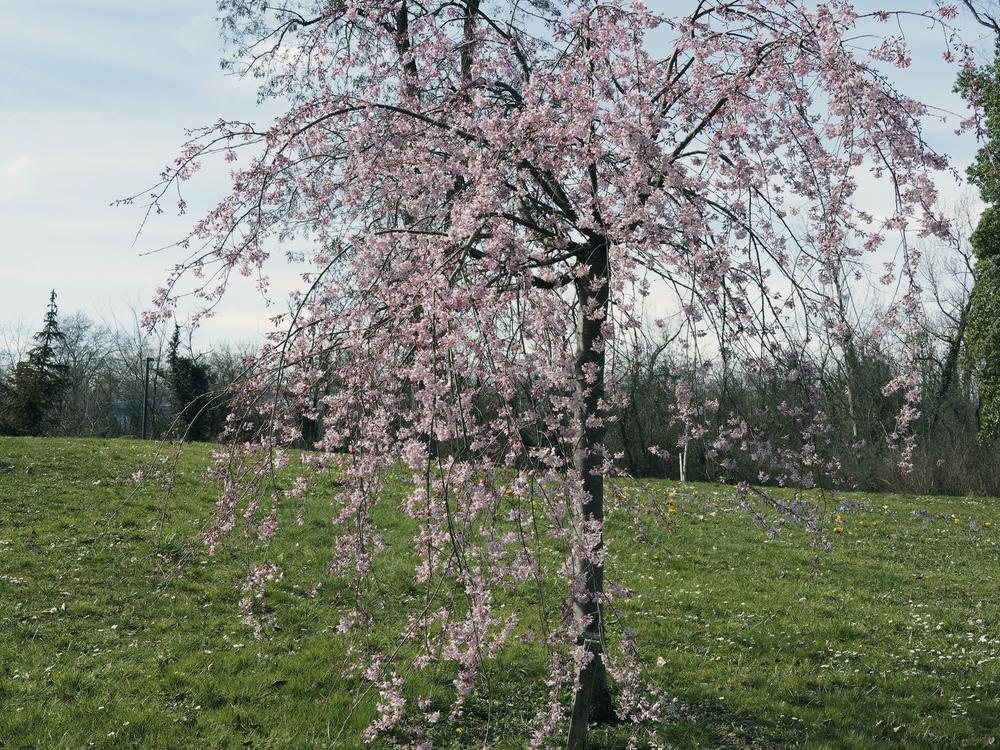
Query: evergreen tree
column 983, row 340
column 190, row 383
column 32, row 397
column 982, row 355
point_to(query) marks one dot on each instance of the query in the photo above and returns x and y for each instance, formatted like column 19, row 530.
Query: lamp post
column 145, row 397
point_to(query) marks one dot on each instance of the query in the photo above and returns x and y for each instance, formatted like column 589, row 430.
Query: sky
column 95, row 96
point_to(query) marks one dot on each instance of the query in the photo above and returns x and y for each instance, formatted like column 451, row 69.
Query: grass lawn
column 890, row 640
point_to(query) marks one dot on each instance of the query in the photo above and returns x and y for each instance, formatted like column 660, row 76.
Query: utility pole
column 145, row 397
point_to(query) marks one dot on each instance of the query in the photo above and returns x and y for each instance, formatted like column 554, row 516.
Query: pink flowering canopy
column 489, row 196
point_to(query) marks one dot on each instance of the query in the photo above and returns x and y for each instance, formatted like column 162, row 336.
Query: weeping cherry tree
column 488, row 196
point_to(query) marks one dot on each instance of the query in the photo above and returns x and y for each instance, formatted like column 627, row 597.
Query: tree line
column 77, row 376
column 80, row 377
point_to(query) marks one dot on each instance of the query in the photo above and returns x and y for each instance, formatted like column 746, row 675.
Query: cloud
column 58, row 229
column 15, row 177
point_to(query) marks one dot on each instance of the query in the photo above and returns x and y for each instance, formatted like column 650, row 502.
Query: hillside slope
column 118, row 631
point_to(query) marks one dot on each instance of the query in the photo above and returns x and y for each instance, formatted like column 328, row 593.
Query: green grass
column 892, row 639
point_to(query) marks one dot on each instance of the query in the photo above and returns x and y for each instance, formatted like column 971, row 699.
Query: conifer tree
column 190, row 384
column 38, row 383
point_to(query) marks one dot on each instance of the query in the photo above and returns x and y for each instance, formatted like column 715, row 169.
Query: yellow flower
column 458, row 730
column 837, row 530
column 987, row 524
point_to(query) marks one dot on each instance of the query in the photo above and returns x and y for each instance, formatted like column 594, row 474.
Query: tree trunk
column 592, row 701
